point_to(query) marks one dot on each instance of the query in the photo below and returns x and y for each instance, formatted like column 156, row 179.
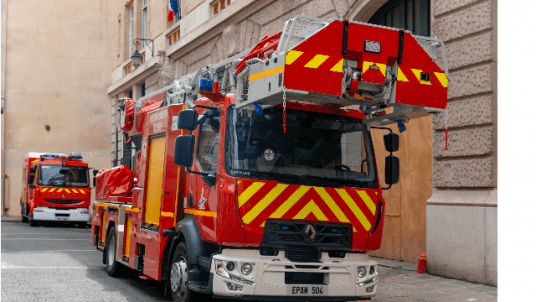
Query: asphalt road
column 56, row 262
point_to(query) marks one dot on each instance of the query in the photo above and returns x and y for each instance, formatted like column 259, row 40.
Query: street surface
column 56, row 262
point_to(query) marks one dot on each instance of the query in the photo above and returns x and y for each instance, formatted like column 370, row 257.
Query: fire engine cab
column 256, row 178
column 55, row 187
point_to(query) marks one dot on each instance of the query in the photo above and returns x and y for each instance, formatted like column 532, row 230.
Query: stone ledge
column 463, row 23
column 471, row 81
column 469, row 112
column 487, row 198
column 466, row 142
column 464, row 173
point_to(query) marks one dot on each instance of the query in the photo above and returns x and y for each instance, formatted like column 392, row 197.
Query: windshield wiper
column 279, row 177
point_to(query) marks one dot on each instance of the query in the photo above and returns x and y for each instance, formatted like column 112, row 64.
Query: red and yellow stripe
column 260, row 201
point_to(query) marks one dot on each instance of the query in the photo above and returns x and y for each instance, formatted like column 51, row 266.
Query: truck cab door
column 204, row 187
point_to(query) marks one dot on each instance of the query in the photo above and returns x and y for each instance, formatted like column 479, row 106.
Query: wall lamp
column 136, row 56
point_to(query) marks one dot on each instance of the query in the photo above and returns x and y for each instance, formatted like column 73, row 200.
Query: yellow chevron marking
column 239, row 182
column 442, row 79
column 338, row 66
column 355, row 209
column 167, row 214
column 44, row 190
column 51, row 190
column 417, row 73
column 401, row 76
column 67, row 190
column 266, row 73
column 130, row 209
column 74, row 190
column 200, row 213
column 59, row 190
column 370, row 204
column 290, row 202
column 311, row 207
column 292, row 56
column 316, row 61
column 367, row 65
column 246, row 195
column 331, row 204
column 265, row 201
column 82, row 191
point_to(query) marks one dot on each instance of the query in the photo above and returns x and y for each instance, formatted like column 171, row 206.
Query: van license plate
column 307, row 290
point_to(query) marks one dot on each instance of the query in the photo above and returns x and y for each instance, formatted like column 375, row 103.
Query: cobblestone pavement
column 399, row 283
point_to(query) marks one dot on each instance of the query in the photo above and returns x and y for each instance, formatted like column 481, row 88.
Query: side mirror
column 94, row 183
column 188, row 119
column 184, row 150
column 31, row 179
column 391, row 142
column 392, row 170
column 32, row 169
column 95, row 172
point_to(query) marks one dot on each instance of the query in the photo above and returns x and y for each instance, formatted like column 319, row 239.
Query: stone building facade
column 446, row 202
column 55, row 70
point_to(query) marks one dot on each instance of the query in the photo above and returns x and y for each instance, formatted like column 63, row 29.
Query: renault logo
column 310, row 233
column 62, row 197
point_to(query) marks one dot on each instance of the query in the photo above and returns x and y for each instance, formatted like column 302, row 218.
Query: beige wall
column 58, row 58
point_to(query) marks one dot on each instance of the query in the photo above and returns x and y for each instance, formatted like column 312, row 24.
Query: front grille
column 285, row 234
column 61, row 201
column 303, row 255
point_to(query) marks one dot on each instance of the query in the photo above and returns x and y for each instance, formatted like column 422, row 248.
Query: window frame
column 413, row 7
column 197, row 153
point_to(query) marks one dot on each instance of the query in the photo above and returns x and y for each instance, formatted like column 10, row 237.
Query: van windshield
column 317, row 149
column 63, row 176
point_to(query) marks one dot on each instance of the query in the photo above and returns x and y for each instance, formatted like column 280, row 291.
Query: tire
column 113, row 268
column 178, row 276
column 31, row 221
column 82, row 225
column 23, row 212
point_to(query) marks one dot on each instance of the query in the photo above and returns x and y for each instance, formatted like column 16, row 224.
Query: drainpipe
column 4, row 177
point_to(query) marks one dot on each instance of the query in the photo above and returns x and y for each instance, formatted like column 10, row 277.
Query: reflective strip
column 59, row 190
column 167, row 214
column 401, row 76
column 67, row 190
column 82, row 191
column 51, row 190
column 338, row 67
column 133, row 210
column 355, row 209
column 261, row 205
column 266, row 73
column 246, row 195
column 292, row 56
column 367, row 65
column 74, row 190
column 442, row 79
column 44, row 190
column 332, row 205
column 200, row 213
column 290, row 202
column 370, row 204
column 311, row 207
column 316, row 61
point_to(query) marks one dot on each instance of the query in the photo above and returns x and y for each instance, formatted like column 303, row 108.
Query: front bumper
column 268, row 277
column 57, row 214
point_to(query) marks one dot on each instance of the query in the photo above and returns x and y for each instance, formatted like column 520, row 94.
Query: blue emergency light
column 75, row 156
column 205, row 84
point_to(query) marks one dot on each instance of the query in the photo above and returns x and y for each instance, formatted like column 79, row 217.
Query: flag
column 173, row 9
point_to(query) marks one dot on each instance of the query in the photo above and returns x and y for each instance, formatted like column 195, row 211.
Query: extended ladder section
column 391, row 74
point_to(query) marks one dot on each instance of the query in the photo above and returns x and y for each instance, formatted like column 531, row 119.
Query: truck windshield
column 317, row 149
column 61, row 176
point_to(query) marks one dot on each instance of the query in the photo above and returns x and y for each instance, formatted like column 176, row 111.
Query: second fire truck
column 256, row 178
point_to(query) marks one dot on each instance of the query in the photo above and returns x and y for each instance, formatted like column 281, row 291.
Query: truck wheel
column 82, row 225
column 23, row 213
column 31, row 221
column 113, row 267
column 179, row 276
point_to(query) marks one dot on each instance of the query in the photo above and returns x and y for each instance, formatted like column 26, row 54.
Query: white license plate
column 307, row 290
column 62, row 218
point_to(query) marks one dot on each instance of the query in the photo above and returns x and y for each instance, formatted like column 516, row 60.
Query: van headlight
column 361, row 271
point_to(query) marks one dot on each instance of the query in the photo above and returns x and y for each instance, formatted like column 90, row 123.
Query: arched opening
column 413, row 15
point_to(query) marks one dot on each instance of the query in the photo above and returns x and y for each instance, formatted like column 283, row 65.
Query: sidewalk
column 11, row 218
column 399, row 283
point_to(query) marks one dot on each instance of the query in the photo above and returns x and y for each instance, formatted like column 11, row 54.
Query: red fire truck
column 55, row 187
column 255, row 177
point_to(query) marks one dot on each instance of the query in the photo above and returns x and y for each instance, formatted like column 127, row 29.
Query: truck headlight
column 39, row 211
column 372, row 270
column 361, row 271
column 84, row 211
column 246, row 269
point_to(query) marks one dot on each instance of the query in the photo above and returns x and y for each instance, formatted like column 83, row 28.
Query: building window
column 131, row 32
column 413, row 15
column 143, row 90
column 219, row 5
column 174, row 36
column 144, row 22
